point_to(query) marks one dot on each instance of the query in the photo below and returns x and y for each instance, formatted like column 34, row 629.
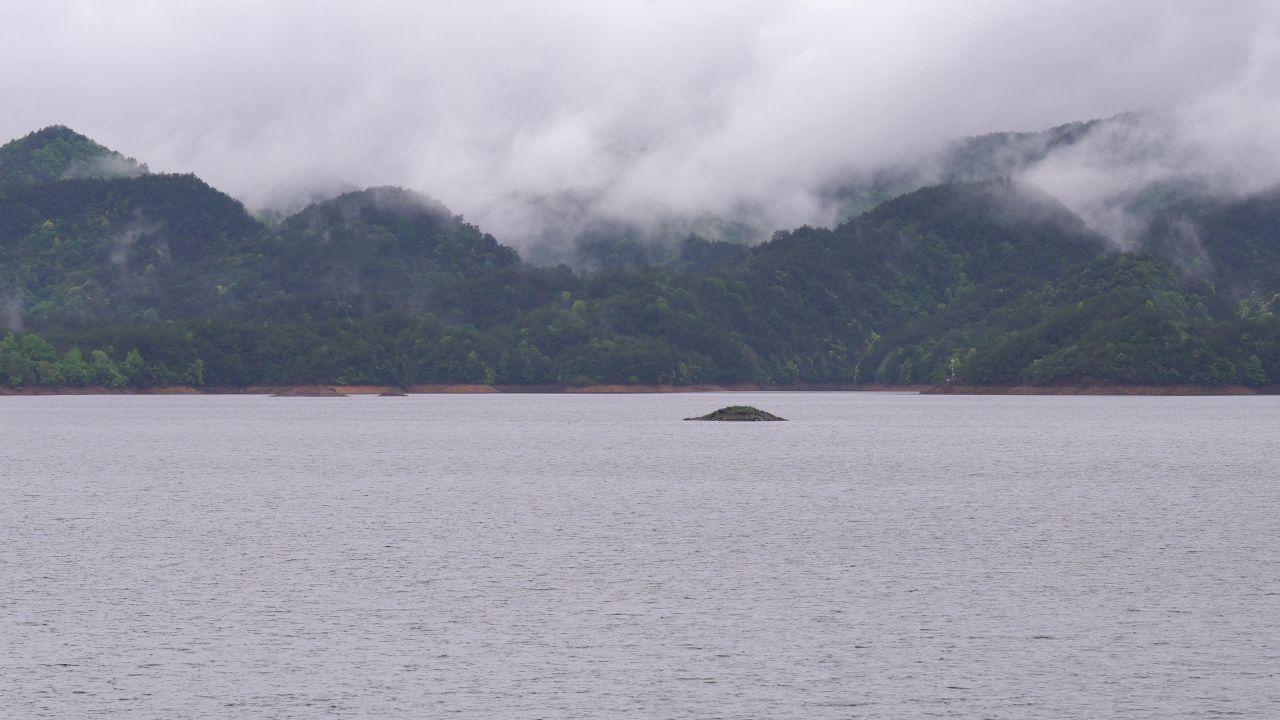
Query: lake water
column 561, row 556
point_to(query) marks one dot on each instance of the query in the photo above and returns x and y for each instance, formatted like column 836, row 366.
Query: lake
column 880, row 555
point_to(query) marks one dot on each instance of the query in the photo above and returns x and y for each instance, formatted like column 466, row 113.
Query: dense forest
column 114, row 276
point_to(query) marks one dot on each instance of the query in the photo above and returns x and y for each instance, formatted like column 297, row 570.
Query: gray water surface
column 554, row 556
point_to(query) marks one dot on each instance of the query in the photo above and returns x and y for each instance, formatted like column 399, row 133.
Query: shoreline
column 321, row 390
column 316, row 390
column 1135, row 390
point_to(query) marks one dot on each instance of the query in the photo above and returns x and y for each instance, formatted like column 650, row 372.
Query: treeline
column 1124, row 319
column 1116, row 321
column 56, row 153
column 29, row 360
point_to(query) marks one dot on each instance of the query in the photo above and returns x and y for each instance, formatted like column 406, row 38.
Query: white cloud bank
column 645, row 106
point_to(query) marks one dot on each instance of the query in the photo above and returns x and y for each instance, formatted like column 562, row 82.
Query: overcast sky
column 685, row 105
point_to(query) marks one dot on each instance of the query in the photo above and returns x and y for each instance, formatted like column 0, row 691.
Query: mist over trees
column 134, row 278
column 747, row 111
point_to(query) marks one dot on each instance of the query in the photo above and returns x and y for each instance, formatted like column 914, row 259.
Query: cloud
column 738, row 107
column 1222, row 141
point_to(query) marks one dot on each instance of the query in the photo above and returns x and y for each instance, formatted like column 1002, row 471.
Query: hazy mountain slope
column 977, row 282
column 168, row 247
column 85, row 251
column 810, row 303
column 994, row 156
column 1122, row 319
column 59, row 153
column 378, row 249
column 1233, row 243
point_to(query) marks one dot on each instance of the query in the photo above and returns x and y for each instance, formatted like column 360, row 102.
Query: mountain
column 820, row 300
column 59, row 153
column 1230, row 242
column 577, row 229
column 369, row 243
column 994, row 156
column 84, row 252
column 160, row 279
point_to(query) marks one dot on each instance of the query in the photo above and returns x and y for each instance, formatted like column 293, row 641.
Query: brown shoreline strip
column 1145, row 390
column 472, row 389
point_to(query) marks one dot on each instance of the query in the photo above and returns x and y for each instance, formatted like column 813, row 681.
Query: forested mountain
column 579, row 232
column 161, row 279
column 76, row 253
column 58, row 153
column 1233, row 244
column 975, row 159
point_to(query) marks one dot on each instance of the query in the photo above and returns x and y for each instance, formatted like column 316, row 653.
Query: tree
column 105, row 372
column 133, row 368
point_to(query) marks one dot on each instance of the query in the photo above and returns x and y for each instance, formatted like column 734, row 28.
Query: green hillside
column 78, row 253
column 59, row 153
column 161, row 279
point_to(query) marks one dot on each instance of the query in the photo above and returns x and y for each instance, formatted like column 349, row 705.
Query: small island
column 309, row 391
column 739, row 413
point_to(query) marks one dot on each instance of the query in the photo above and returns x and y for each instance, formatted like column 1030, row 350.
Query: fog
column 635, row 110
column 1221, row 142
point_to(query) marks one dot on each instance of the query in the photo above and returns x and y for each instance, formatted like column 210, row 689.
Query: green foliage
column 1121, row 320
column 31, row 360
column 57, row 153
column 965, row 283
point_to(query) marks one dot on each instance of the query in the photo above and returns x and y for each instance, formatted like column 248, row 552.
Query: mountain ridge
column 170, row 281
column 56, row 153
